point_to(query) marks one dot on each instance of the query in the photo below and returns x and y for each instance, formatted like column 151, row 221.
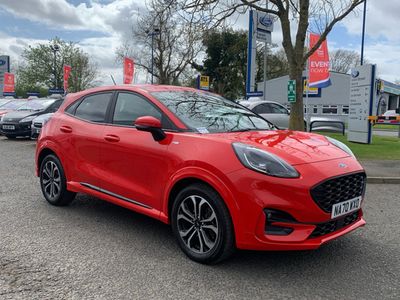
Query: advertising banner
column 318, row 69
column 4, row 68
column 67, row 72
column 203, row 83
column 128, row 70
column 9, row 83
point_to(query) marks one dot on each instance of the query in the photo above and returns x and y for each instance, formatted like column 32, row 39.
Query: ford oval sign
column 266, row 21
column 355, row 73
column 2, row 62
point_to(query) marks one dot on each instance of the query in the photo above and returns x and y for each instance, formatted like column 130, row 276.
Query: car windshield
column 36, row 105
column 206, row 113
column 4, row 101
column 13, row 104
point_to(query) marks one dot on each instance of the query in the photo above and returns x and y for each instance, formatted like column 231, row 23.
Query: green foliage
column 226, row 61
column 36, row 73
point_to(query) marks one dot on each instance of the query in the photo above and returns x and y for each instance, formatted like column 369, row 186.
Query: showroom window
column 345, row 110
column 330, row 109
column 315, row 109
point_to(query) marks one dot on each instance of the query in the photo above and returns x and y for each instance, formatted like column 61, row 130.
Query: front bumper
column 256, row 192
column 19, row 129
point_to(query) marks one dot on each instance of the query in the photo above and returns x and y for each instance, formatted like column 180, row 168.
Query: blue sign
column 13, row 94
column 254, row 94
column 2, row 62
column 266, row 20
column 56, row 91
column 37, row 94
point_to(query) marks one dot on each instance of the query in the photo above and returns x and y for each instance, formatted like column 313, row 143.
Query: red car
column 221, row 175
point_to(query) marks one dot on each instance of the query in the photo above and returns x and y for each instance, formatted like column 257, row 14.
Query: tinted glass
column 205, row 112
column 262, row 109
column 94, row 108
column 129, row 107
column 277, row 109
column 72, row 107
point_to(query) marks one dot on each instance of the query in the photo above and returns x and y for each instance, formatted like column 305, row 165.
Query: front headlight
column 27, row 119
column 263, row 161
column 340, row 145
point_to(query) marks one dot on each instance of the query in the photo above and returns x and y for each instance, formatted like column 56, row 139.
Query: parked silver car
column 274, row 112
column 38, row 123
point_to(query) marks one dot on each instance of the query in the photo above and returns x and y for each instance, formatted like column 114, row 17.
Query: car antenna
column 112, row 77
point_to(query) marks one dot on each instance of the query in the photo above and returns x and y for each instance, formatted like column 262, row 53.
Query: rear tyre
column 202, row 224
column 54, row 183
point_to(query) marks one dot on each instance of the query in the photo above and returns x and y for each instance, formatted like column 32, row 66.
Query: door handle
column 66, row 129
column 112, row 138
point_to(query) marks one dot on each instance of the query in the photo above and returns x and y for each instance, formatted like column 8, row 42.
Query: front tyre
column 202, row 225
column 54, row 183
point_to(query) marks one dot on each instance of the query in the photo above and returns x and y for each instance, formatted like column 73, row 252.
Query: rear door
column 134, row 165
column 81, row 135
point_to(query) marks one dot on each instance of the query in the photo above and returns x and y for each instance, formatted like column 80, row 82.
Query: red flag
column 318, row 71
column 9, row 83
column 67, row 72
column 128, row 70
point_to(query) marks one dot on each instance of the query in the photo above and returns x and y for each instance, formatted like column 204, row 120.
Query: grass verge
column 381, row 148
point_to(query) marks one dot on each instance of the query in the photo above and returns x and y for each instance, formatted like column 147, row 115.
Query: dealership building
column 332, row 101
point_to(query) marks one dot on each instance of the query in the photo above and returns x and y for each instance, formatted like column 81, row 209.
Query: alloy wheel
column 51, row 180
column 197, row 224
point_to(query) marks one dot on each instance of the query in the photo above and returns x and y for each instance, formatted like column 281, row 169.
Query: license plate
column 9, row 127
column 345, row 207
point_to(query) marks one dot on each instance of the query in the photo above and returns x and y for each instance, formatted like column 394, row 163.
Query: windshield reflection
column 204, row 112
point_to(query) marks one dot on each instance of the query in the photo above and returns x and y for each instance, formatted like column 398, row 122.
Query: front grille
column 331, row 226
column 338, row 189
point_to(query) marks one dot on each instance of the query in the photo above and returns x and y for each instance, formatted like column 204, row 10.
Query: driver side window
column 130, row 106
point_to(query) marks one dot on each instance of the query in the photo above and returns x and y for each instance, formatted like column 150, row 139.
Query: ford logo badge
column 354, row 73
column 2, row 62
column 266, row 21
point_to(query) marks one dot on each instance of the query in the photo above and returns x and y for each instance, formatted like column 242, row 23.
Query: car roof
column 255, row 103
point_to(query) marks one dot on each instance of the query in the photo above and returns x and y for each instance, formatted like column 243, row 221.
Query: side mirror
column 152, row 125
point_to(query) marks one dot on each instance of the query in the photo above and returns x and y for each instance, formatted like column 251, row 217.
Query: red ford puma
column 222, row 176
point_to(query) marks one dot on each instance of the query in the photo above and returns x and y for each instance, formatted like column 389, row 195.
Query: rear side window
column 277, row 109
column 94, row 108
column 262, row 109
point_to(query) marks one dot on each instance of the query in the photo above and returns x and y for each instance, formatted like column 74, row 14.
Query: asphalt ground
column 95, row 250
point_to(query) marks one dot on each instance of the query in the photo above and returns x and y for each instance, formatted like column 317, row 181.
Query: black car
column 19, row 122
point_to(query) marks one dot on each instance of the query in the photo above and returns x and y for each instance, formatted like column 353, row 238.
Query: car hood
column 295, row 147
column 19, row 115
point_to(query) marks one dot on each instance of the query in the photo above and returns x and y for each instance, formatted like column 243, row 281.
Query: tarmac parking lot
column 96, row 250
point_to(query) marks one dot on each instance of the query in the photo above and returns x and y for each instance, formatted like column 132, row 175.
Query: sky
column 100, row 26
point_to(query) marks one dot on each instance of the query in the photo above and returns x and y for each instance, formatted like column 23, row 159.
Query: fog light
column 275, row 216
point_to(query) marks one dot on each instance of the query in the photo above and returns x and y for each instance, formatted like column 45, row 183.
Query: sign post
column 203, row 82
column 292, row 91
column 362, row 95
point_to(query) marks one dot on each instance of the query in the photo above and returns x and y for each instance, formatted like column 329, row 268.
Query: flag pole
column 307, row 85
column 363, row 32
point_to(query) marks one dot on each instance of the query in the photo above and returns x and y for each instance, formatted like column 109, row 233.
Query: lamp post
column 152, row 33
column 363, row 32
column 55, row 48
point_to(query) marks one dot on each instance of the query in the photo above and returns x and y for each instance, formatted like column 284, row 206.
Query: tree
column 176, row 44
column 343, row 60
column 301, row 15
column 225, row 62
column 36, row 71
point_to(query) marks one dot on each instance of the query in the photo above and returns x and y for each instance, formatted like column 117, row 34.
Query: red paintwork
column 128, row 162
column 148, row 121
